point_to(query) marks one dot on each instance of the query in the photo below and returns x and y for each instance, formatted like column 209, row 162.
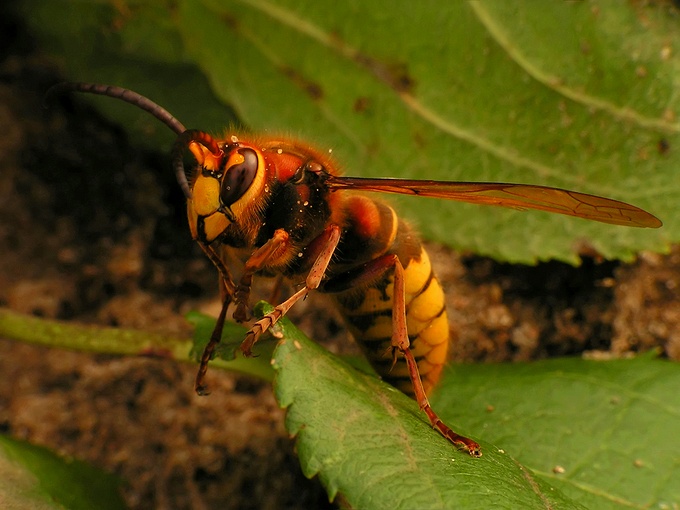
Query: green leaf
column 138, row 47
column 232, row 336
column 227, row 351
column 610, row 425
column 565, row 432
column 89, row 338
column 370, row 443
column 33, row 477
column 578, row 95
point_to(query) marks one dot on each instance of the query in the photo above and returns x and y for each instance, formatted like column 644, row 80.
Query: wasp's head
column 230, row 176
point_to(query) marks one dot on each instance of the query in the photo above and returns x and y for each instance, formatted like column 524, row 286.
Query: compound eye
column 239, row 177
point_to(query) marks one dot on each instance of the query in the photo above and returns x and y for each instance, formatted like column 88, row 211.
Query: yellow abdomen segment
column 371, row 322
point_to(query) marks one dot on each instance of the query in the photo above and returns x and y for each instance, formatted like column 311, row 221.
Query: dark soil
column 92, row 229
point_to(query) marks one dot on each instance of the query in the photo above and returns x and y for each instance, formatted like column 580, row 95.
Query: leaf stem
column 118, row 341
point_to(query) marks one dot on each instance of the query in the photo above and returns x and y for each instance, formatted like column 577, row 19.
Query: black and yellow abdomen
column 375, row 230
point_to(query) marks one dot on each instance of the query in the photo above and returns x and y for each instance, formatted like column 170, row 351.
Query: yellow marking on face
column 204, row 157
column 235, row 158
column 198, row 151
column 206, row 195
column 214, row 225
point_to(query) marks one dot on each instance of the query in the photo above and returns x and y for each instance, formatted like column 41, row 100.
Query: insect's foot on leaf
column 464, row 443
column 475, row 452
column 470, row 446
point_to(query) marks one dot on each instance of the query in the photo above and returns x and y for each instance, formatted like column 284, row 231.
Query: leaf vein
column 303, row 26
column 555, row 83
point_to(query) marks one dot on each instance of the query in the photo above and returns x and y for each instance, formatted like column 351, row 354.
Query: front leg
column 263, row 256
column 259, row 259
column 329, row 240
column 227, row 287
column 227, row 290
column 199, row 384
column 266, row 255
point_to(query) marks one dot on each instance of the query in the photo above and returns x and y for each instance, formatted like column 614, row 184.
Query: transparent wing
column 516, row 196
